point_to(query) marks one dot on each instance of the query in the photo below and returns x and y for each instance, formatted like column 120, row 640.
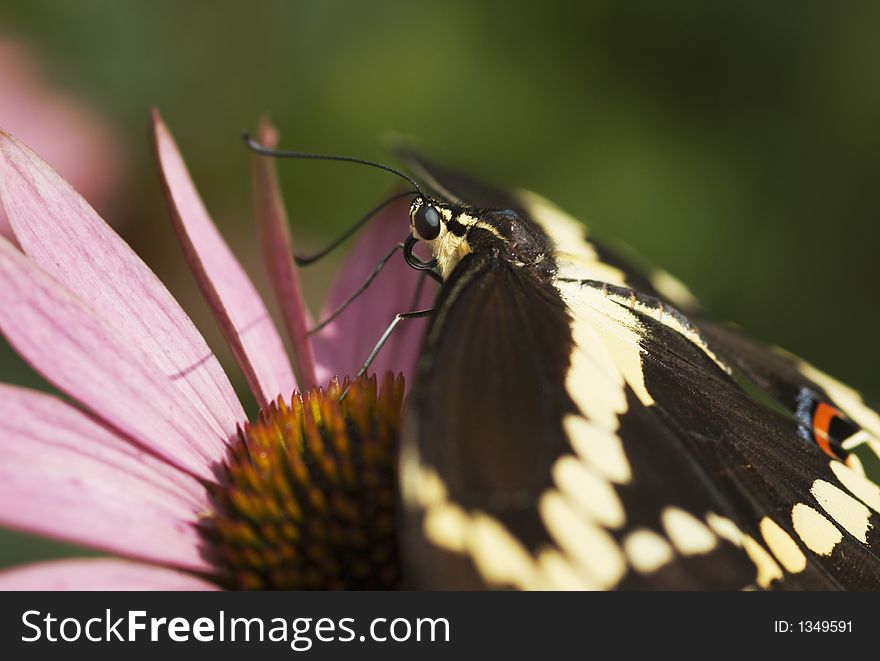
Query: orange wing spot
column 822, row 418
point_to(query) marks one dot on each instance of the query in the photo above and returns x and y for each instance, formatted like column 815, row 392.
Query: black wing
column 487, row 445
column 772, row 478
column 487, row 386
column 617, row 451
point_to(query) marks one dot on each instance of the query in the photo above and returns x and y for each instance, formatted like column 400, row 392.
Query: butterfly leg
column 416, row 314
column 360, row 290
column 306, row 260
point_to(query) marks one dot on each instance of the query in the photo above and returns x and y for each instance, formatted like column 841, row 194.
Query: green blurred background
column 735, row 144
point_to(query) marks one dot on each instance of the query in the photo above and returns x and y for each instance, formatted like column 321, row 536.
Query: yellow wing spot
column 647, row 551
column 855, row 464
column 585, row 335
column 446, row 525
column 688, row 534
column 498, row 555
column 860, row 437
column 558, row 573
column 592, row 495
column 598, row 397
column 592, row 559
column 846, row 398
column 816, row 532
column 672, row 322
column 851, row 514
column 860, row 486
column 568, row 233
column 725, row 528
column 782, row 546
column 602, row 450
column 618, row 332
column 768, row 569
column 594, row 381
column 428, row 487
column 592, row 547
column 577, row 267
column 575, row 255
column 672, row 288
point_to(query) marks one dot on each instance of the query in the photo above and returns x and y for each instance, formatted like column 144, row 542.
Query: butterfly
column 577, row 424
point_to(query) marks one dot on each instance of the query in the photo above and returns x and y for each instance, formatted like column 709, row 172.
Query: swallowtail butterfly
column 577, row 424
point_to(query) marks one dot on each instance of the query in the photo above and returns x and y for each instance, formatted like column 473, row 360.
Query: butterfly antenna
column 305, row 260
column 281, row 153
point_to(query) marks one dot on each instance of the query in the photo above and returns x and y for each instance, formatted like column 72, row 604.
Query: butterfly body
column 575, row 424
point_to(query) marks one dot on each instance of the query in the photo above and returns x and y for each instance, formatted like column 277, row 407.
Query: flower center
column 309, row 497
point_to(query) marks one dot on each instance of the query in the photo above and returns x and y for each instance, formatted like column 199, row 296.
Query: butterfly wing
column 627, row 454
column 817, row 516
column 496, row 347
column 507, row 485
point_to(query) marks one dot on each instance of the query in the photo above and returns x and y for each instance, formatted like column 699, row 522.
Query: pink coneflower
column 154, row 460
column 63, row 128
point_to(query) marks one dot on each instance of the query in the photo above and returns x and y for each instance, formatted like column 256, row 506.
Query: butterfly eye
column 427, row 222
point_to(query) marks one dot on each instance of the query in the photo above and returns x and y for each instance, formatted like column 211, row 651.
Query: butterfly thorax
column 500, row 232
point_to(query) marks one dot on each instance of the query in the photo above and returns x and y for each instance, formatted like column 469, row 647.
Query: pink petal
column 275, row 239
column 64, row 235
column 65, row 476
column 54, row 426
column 239, row 310
column 347, row 341
column 98, row 574
column 68, row 132
column 84, row 356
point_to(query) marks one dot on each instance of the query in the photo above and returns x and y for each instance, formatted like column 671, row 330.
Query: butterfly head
column 446, row 229
column 453, row 231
